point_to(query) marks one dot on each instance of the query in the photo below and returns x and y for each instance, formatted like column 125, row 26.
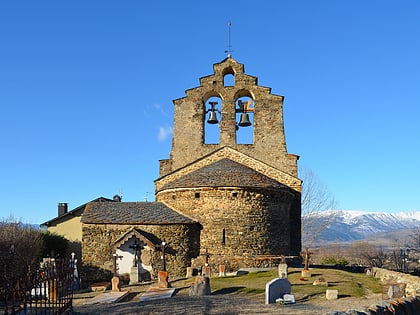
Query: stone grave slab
column 108, row 297
column 156, row 294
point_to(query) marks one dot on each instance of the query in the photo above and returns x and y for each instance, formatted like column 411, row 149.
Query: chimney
column 62, row 208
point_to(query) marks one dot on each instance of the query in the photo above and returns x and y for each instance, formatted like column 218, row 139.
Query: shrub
column 331, row 260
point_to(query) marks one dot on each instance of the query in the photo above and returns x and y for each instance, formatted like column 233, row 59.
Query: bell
column 212, row 118
column 244, row 120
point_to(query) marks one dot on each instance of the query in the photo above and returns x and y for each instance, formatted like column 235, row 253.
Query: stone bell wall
column 269, row 143
column 98, row 247
column 237, row 222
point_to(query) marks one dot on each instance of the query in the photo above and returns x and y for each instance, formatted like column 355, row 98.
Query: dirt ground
column 230, row 303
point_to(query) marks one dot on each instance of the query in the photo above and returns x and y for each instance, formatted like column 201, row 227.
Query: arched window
column 229, row 79
column 212, row 120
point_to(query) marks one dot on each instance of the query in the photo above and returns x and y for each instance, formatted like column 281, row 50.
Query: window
column 229, row 79
column 223, row 236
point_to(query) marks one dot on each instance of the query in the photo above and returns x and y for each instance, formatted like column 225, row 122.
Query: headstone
column 207, row 271
column 115, row 284
column 200, row 287
column 276, row 288
column 222, row 271
column 135, row 276
column 282, row 270
column 189, row 272
column 163, row 279
column 306, row 273
column 331, row 294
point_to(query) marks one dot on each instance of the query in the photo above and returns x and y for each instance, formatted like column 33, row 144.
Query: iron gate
column 45, row 290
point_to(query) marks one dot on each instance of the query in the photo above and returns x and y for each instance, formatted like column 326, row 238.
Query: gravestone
column 135, row 276
column 282, row 270
column 200, row 287
column 115, row 284
column 207, row 271
column 222, row 271
column 331, row 294
column 189, row 272
column 163, row 279
column 275, row 289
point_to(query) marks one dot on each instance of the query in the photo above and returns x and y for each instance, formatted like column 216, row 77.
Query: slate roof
column 73, row 213
column 132, row 213
column 224, row 173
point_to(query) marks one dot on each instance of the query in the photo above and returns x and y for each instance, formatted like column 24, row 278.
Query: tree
column 20, row 246
column 55, row 246
column 377, row 256
column 415, row 241
column 317, row 207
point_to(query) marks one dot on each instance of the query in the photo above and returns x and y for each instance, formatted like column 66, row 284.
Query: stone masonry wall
column 269, row 143
column 183, row 241
column 236, row 222
column 389, row 276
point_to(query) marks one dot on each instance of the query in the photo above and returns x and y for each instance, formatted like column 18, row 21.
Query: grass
column 253, row 284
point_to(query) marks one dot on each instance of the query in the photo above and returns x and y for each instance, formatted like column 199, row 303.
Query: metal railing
column 45, row 290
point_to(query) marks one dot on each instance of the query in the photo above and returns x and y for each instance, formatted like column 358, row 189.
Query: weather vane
column 229, row 50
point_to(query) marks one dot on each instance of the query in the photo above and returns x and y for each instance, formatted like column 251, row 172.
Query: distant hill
column 347, row 226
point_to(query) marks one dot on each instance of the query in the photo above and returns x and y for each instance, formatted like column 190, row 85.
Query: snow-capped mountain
column 347, row 225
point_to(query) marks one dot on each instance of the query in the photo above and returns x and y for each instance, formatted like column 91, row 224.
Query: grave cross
column 163, row 247
column 116, row 257
column 136, row 249
column 207, row 255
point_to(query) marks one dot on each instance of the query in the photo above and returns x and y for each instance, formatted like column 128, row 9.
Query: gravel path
column 181, row 303
column 213, row 304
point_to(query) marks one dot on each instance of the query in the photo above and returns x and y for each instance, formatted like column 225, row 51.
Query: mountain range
column 346, row 226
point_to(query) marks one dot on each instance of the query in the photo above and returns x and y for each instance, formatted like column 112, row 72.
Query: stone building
column 229, row 188
column 245, row 195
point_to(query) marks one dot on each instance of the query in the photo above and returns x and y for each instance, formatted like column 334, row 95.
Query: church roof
column 132, row 213
column 224, row 173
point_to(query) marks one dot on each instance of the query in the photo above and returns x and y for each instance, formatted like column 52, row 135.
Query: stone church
column 229, row 187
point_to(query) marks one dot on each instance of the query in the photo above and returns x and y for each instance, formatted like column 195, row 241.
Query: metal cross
column 207, row 255
column 136, row 248
column 163, row 247
column 116, row 257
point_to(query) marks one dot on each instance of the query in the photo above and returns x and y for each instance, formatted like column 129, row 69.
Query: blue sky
column 86, row 90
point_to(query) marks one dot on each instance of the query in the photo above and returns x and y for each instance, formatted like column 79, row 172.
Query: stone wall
column 388, row 276
column 183, row 245
column 238, row 224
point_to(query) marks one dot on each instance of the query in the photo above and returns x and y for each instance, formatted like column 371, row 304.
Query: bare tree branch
column 317, row 207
